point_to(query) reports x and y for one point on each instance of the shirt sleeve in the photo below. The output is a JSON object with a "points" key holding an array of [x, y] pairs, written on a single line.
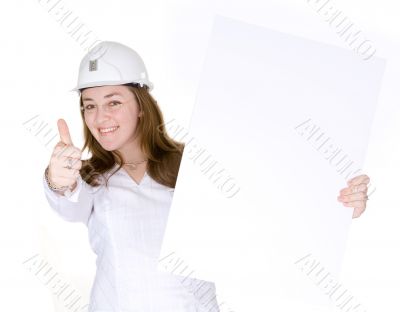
{"points": [[75, 206]]}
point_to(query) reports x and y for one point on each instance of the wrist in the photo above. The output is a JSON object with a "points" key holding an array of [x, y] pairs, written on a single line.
{"points": [[52, 186]]}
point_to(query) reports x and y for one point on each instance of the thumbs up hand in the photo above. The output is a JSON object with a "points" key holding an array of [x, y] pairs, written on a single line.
{"points": [[65, 161], [64, 132]]}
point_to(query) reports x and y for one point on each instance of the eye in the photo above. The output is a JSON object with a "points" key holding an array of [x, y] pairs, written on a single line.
{"points": [[89, 107], [115, 102]]}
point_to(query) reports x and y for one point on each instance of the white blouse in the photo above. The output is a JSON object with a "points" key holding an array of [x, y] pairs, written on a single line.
{"points": [[126, 224]]}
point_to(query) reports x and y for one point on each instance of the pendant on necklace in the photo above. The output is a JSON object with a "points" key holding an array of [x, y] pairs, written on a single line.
{"points": [[134, 165], [131, 166]]}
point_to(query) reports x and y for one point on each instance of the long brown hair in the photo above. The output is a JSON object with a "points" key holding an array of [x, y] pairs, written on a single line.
{"points": [[164, 154]]}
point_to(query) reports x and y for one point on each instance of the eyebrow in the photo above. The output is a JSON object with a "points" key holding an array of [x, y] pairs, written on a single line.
{"points": [[106, 96]]}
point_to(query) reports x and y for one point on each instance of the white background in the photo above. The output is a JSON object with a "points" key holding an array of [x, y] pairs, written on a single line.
{"points": [[39, 62]]}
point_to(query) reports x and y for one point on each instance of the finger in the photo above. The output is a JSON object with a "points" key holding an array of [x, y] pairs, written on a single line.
{"points": [[64, 158], [71, 163], [363, 188], [63, 130], [68, 174], [356, 204], [65, 163], [74, 164], [359, 179], [353, 197], [66, 151]]}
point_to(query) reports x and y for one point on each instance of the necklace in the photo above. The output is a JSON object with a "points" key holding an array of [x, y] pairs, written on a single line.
{"points": [[133, 165]]}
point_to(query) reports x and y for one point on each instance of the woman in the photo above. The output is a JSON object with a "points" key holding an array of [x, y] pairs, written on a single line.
{"points": [[124, 190]]}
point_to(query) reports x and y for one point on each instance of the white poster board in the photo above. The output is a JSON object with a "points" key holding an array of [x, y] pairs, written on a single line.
{"points": [[279, 125]]}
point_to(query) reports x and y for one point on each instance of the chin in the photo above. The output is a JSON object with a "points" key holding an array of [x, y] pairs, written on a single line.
{"points": [[109, 147]]}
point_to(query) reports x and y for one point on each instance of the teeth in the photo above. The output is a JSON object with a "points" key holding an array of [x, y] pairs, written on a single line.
{"points": [[108, 129]]}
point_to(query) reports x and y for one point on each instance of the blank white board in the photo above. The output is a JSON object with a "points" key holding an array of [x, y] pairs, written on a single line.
{"points": [[279, 125]]}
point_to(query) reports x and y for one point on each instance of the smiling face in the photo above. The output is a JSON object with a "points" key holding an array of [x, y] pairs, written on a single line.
{"points": [[111, 114]]}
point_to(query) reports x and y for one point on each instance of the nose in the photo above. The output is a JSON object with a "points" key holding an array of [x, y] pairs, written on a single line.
{"points": [[102, 115]]}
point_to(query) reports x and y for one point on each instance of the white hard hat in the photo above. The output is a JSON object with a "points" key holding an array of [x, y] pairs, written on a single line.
{"points": [[111, 63]]}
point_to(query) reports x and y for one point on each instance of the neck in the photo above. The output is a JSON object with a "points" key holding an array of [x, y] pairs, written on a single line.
{"points": [[131, 153]]}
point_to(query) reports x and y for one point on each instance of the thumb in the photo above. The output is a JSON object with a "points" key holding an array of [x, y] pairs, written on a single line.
{"points": [[64, 132]]}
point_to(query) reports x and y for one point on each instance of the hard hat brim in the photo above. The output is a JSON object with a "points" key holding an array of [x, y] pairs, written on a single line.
{"points": [[105, 83]]}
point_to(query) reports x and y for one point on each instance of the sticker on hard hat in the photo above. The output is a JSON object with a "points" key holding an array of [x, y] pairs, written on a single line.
{"points": [[93, 65]]}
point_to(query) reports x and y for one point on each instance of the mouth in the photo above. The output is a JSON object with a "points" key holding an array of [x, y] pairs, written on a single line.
{"points": [[107, 131]]}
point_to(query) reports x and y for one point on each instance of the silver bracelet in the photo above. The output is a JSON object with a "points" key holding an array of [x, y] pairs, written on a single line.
{"points": [[52, 186]]}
